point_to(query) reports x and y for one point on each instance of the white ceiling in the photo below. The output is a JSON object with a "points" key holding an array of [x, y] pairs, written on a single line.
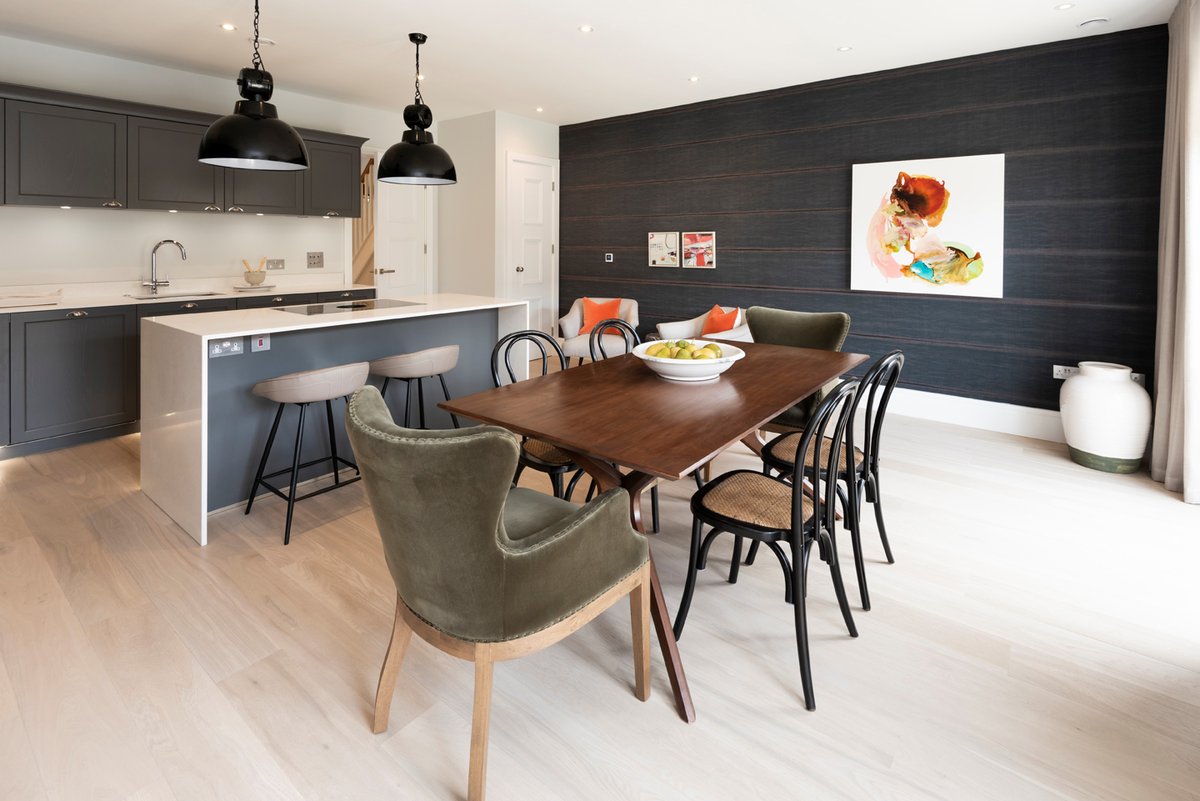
{"points": [[515, 55]]}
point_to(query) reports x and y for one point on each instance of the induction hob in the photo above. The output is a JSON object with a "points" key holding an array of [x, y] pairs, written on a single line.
{"points": [[342, 306]]}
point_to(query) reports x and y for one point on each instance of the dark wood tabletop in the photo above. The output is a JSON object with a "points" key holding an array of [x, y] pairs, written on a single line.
{"points": [[618, 413], [618, 410]]}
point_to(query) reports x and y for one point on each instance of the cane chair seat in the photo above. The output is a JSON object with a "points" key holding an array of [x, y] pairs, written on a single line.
{"points": [[784, 449], [752, 499]]}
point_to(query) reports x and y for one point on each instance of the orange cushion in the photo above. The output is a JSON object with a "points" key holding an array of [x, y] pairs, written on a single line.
{"points": [[719, 321], [594, 312]]}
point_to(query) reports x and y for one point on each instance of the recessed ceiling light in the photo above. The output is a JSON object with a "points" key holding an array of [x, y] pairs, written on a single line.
{"points": [[586, 28], [172, 211], [1093, 21], [1064, 6], [540, 109], [845, 49], [258, 214], [694, 78], [228, 26], [68, 208]]}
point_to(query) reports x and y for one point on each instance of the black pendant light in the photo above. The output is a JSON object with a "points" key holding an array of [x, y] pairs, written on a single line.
{"points": [[253, 137], [415, 159]]}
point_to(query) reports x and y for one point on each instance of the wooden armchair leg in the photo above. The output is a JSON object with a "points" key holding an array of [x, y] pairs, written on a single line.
{"points": [[639, 611], [480, 720], [401, 634]]}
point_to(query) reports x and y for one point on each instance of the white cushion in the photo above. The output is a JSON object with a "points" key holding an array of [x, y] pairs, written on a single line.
{"points": [[418, 364], [312, 386]]}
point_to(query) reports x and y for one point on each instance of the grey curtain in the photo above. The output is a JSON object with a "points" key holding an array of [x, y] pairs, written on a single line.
{"points": [[1175, 449]]}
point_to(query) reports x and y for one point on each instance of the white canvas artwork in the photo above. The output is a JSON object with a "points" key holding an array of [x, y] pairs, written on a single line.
{"points": [[929, 226]]}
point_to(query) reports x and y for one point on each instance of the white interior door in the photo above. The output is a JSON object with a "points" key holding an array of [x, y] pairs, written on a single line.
{"points": [[531, 269], [403, 264]]}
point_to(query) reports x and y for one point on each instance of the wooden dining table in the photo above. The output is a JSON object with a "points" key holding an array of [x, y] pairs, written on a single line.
{"points": [[626, 427]]}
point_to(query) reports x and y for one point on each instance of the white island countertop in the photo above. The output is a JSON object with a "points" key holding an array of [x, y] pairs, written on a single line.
{"points": [[251, 322]]}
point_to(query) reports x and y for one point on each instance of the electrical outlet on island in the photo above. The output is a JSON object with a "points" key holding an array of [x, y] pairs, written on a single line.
{"points": [[316, 260]]}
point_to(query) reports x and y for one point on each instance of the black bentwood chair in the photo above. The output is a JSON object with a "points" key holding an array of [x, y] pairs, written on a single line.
{"points": [[780, 455], [537, 454], [762, 508], [602, 332]]}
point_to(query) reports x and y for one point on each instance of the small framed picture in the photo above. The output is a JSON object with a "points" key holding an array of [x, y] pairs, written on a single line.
{"points": [[664, 248], [700, 250]]}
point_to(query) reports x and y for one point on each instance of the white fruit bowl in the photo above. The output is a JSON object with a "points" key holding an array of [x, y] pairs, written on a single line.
{"points": [[690, 369]]}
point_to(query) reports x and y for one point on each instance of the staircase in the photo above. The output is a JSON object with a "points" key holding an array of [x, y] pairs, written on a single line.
{"points": [[364, 227]]}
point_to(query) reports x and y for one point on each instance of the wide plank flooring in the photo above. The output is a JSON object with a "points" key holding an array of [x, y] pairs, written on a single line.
{"points": [[1037, 638]]}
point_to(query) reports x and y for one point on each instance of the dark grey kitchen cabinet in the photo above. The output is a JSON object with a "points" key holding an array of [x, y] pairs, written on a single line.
{"points": [[264, 191], [268, 301], [59, 156], [72, 370], [184, 306], [331, 180], [4, 380], [346, 294], [164, 172]]}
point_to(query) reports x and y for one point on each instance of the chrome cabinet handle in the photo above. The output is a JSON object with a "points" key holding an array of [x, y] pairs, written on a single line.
{"points": [[113, 204], [332, 214], [346, 294], [520, 269], [77, 314], [211, 207], [190, 306], [235, 208], [278, 299]]}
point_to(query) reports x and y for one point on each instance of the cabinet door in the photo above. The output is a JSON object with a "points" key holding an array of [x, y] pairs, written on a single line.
{"points": [[265, 191], [267, 301], [56, 156], [164, 172], [72, 370], [4, 380], [331, 180]]}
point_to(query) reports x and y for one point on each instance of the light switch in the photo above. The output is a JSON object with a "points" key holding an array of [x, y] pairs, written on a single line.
{"points": [[260, 342]]}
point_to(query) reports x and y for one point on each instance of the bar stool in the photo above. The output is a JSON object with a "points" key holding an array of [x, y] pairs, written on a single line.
{"points": [[301, 389], [417, 366]]}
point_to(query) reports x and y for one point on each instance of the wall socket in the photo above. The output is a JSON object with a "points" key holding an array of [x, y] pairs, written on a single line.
{"points": [[225, 347], [1062, 371], [316, 260], [274, 264]]}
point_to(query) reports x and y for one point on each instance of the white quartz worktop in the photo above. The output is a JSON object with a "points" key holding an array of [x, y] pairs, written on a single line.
{"points": [[90, 296], [250, 322]]}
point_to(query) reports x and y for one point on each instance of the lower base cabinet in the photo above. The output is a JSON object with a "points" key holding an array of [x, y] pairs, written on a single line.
{"points": [[72, 370]]}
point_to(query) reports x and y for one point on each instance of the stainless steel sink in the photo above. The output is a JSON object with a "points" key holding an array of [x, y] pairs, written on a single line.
{"points": [[167, 295]]}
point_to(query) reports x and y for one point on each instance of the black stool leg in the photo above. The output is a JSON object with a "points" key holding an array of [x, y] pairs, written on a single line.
{"points": [[383, 389], [407, 403], [333, 455], [446, 392], [262, 463], [287, 528], [421, 401]]}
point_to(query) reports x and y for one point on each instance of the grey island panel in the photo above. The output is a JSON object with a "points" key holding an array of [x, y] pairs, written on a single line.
{"points": [[240, 422]]}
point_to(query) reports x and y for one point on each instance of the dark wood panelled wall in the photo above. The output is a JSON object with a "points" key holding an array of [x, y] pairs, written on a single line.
{"points": [[1081, 127]]}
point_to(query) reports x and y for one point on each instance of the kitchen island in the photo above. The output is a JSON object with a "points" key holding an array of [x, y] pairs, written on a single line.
{"points": [[202, 429]]}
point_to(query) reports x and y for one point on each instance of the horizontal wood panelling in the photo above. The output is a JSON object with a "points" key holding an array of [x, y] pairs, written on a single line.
{"points": [[1080, 123]]}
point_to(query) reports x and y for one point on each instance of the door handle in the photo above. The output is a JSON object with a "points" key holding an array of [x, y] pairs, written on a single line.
{"points": [[520, 269], [77, 314], [382, 271]]}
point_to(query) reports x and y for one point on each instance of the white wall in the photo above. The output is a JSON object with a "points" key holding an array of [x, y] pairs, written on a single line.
{"points": [[51, 246], [471, 216]]}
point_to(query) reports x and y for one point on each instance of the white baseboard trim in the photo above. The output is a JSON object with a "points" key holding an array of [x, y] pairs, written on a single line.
{"points": [[1005, 418]]}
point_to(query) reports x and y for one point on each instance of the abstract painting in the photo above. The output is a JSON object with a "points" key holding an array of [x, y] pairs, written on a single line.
{"points": [[929, 226], [664, 249], [700, 249]]}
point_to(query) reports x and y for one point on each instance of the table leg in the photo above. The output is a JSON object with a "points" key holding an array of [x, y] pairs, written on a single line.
{"points": [[609, 477]]}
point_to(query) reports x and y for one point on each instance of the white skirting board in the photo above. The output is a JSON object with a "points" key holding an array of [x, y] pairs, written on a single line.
{"points": [[1006, 418]]}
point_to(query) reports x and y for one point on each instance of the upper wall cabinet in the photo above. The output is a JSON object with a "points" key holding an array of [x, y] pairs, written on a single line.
{"points": [[331, 180], [55, 156], [264, 191], [164, 172]]}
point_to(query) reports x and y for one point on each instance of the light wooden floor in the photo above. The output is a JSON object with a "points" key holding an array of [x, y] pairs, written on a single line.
{"points": [[1038, 638]]}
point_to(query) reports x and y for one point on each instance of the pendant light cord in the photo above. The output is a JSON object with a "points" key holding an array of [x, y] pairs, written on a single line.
{"points": [[416, 79], [258, 62]]}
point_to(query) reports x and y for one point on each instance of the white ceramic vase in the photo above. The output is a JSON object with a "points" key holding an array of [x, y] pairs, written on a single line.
{"points": [[1105, 417]]}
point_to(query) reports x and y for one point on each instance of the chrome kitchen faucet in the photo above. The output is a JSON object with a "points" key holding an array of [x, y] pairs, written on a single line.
{"points": [[154, 283]]}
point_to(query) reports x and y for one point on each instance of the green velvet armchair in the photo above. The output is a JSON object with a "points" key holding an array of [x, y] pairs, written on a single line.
{"points": [[484, 571], [820, 330]]}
